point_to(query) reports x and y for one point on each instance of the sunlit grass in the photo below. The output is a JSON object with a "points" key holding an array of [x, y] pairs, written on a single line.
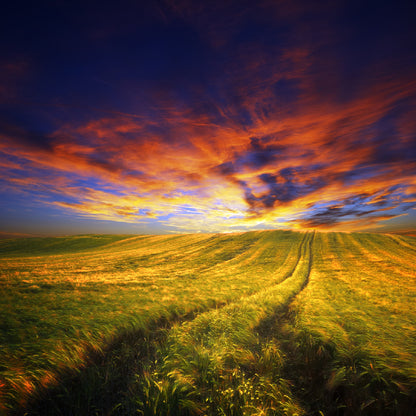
{"points": [[259, 323], [360, 303], [52, 305], [218, 358]]}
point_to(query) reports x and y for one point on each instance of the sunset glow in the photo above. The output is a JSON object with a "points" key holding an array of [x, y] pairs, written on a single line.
{"points": [[233, 116]]}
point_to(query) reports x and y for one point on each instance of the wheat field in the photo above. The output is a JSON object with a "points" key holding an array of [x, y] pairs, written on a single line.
{"points": [[257, 323]]}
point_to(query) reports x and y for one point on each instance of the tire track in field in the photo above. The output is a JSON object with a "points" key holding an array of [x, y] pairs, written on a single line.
{"points": [[304, 266], [288, 267], [272, 330], [310, 261], [304, 262], [200, 352], [287, 264], [292, 282], [266, 301], [99, 377], [310, 361], [107, 373], [109, 383]]}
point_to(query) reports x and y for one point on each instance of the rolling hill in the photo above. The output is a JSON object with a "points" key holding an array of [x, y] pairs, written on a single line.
{"points": [[257, 323]]}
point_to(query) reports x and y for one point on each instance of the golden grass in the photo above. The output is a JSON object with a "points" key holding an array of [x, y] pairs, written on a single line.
{"points": [[357, 299], [243, 306]]}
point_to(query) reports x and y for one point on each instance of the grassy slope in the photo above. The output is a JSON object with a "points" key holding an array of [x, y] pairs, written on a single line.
{"points": [[356, 318], [55, 245], [312, 323], [51, 305], [362, 293]]}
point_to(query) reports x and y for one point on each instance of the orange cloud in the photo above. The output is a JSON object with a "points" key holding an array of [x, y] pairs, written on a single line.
{"points": [[266, 145]]}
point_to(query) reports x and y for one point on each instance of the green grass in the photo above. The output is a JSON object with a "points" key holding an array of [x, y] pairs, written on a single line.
{"points": [[55, 245], [259, 323]]}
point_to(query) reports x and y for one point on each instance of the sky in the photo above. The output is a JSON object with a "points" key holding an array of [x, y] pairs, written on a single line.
{"points": [[179, 116]]}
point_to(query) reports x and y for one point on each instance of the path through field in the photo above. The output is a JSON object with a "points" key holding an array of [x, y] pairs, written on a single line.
{"points": [[261, 323]]}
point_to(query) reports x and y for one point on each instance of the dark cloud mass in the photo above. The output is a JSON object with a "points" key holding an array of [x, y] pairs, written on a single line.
{"points": [[174, 115], [260, 153], [283, 188], [15, 134]]}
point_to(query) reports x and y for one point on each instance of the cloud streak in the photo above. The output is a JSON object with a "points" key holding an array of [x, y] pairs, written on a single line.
{"points": [[272, 138]]}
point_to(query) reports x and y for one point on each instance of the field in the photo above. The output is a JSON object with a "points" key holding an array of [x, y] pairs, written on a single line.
{"points": [[257, 323]]}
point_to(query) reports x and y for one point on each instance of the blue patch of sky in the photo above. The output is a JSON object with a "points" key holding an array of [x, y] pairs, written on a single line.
{"points": [[33, 217], [187, 209], [143, 211], [165, 217], [97, 185]]}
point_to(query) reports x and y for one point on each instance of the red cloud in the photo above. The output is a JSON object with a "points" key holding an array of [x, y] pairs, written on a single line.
{"points": [[269, 142]]}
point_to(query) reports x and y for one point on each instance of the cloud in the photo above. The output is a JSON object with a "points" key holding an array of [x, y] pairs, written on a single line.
{"points": [[29, 139], [275, 136], [266, 172]]}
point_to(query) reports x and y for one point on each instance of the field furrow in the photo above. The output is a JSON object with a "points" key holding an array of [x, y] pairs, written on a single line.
{"points": [[406, 242], [257, 323], [130, 283], [357, 326], [381, 249], [371, 261], [219, 352]]}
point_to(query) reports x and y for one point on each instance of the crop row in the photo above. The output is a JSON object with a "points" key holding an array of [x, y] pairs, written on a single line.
{"points": [[218, 363], [54, 307], [265, 323]]}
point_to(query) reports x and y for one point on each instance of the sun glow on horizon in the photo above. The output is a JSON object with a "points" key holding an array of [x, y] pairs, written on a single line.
{"points": [[242, 135]]}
